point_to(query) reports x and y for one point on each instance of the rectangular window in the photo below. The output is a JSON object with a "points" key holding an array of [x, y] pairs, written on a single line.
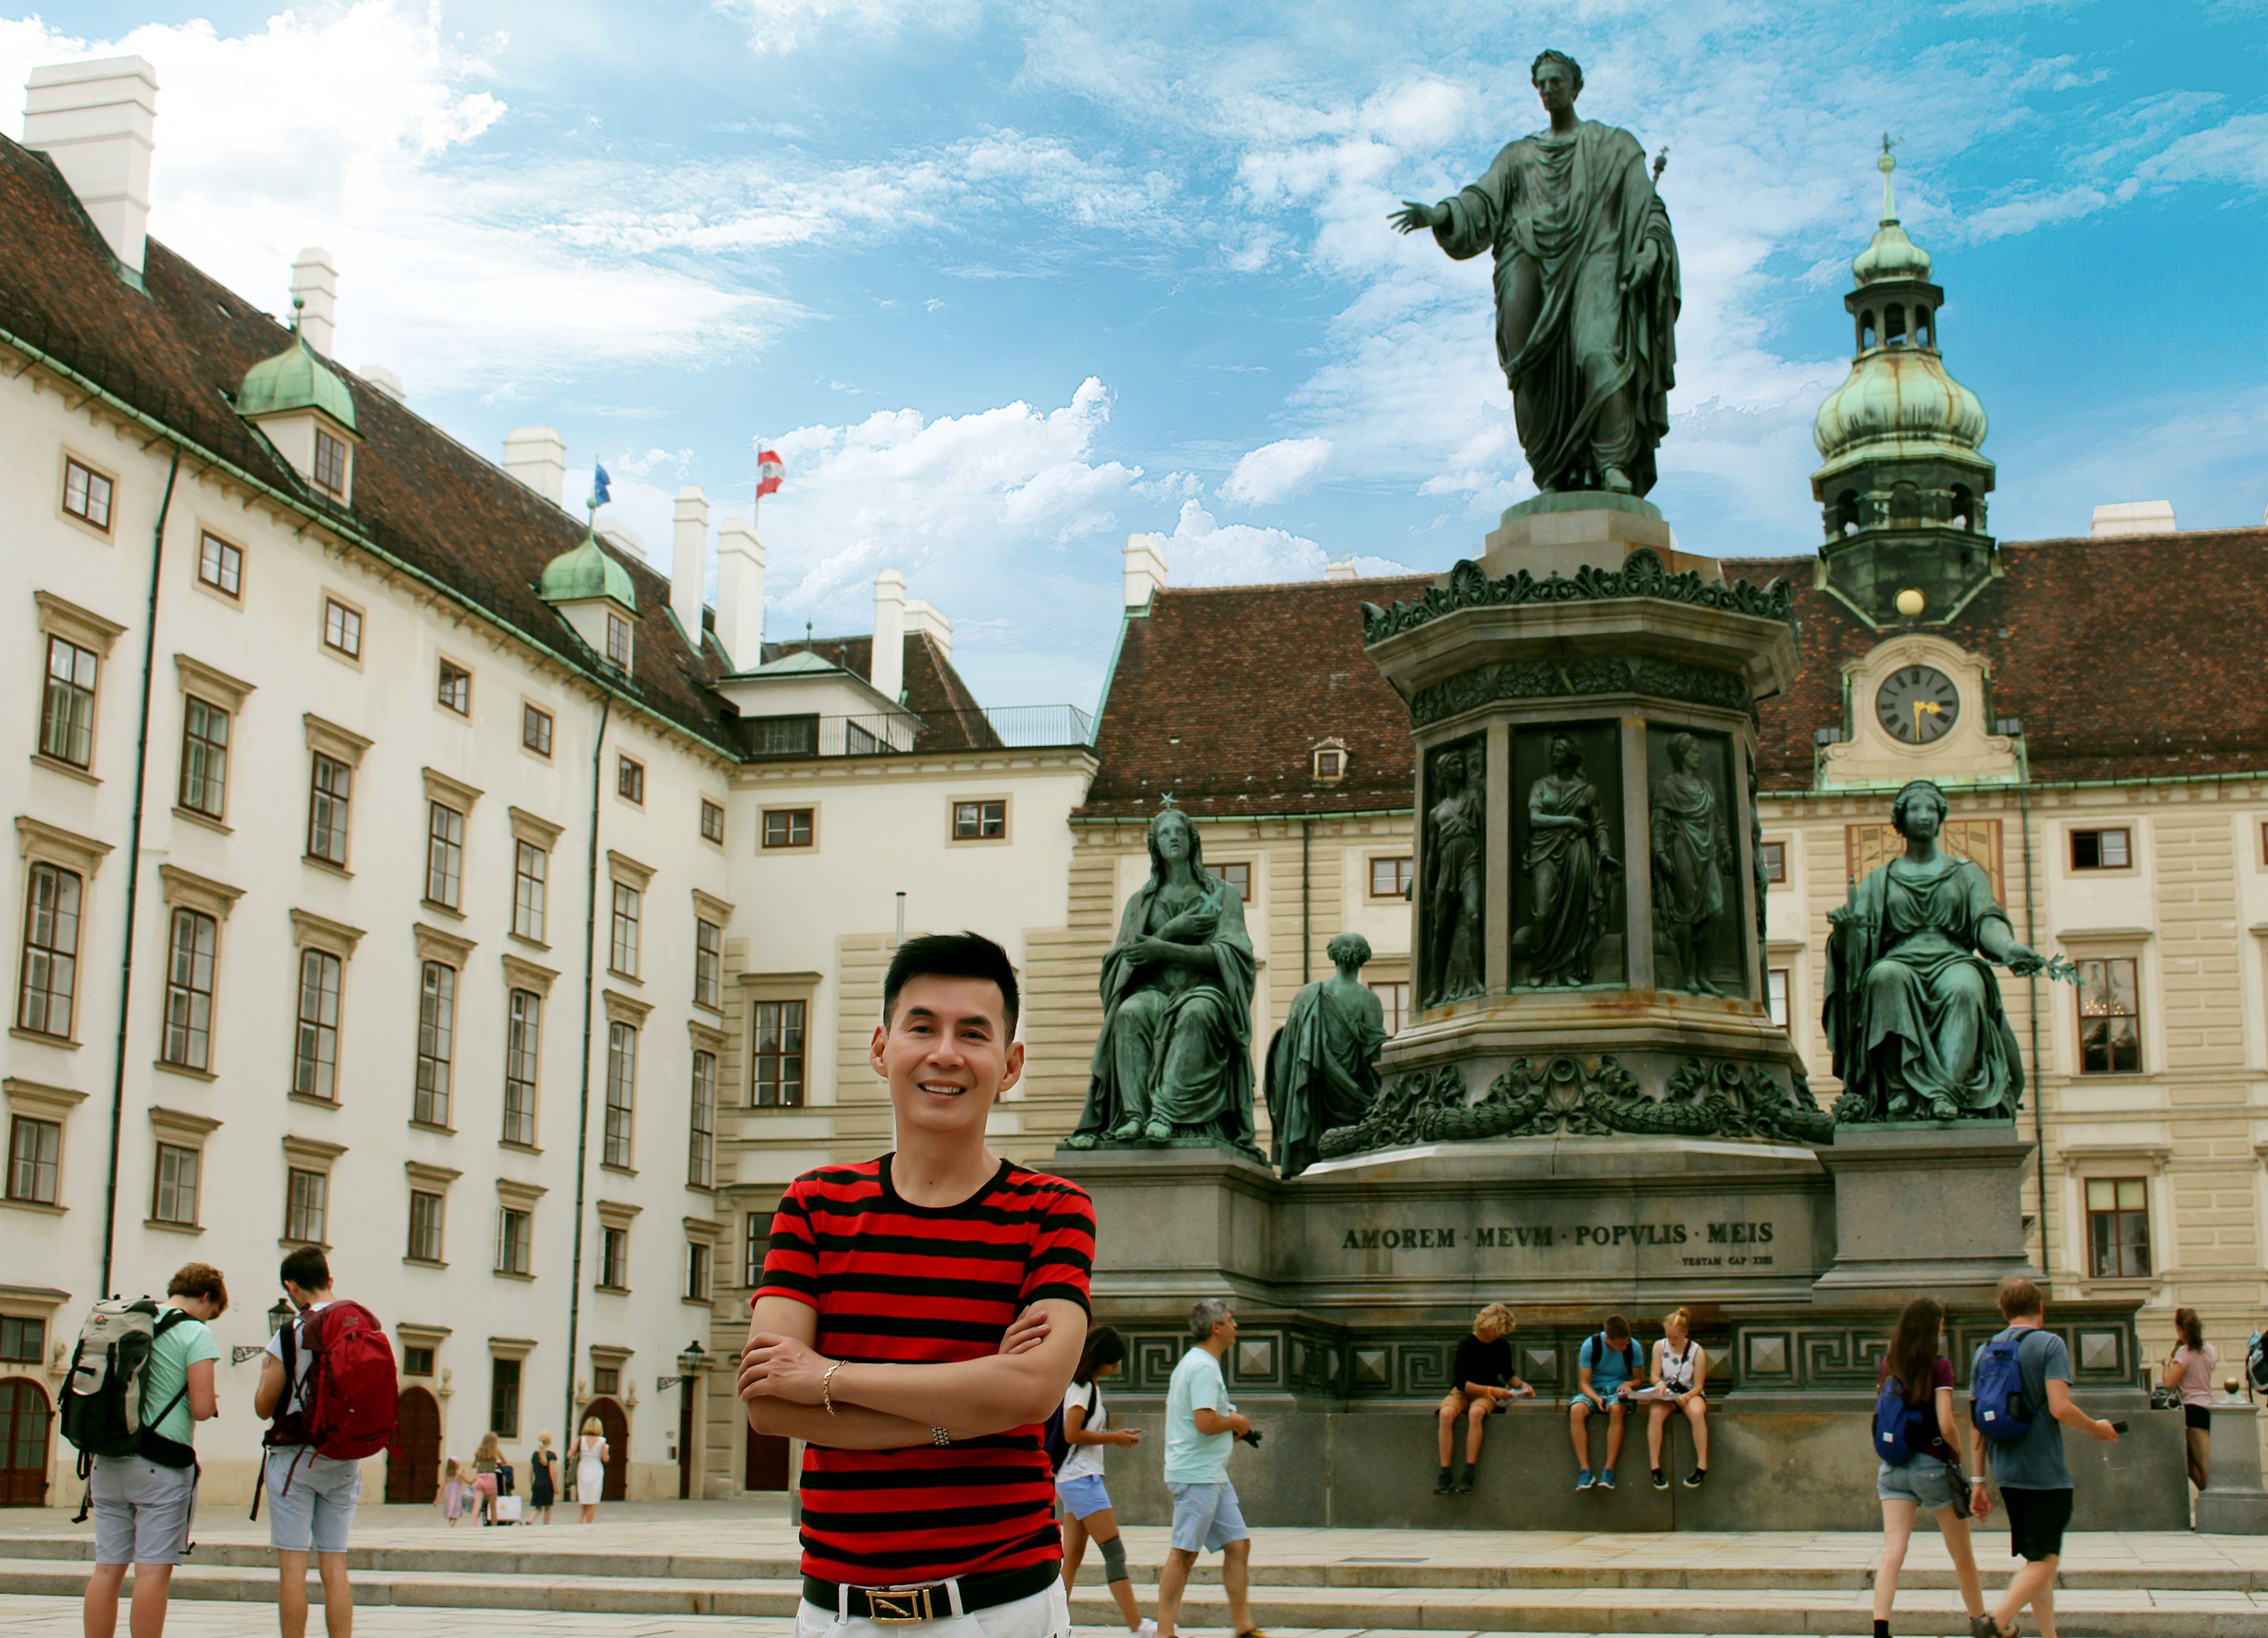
{"points": [[204, 759], [176, 1197], [50, 967], [979, 822], [1389, 878], [504, 1398], [2118, 1227], [2110, 1017], [456, 690], [1394, 998], [23, 1341], [618, 641], [315, 1062], [416, 1362], [35, 1147], [220, 565], [701, 1151], [614, 1260], [755, 1241], [437, 1031], [782, 736], [857, 742], [515, 1233], [445, 855], [67, 709], [1238, 875], [330, 462], [188, 989], [342, 628], [606, 1378], [1773, 857], [629, 779], [86, 494], [788, 827], [523, 1036], [2101, 850], [708, 963], [328, 805], [621, 1094], [779, 1054], [536, 730], [531, 870], [623, 947], [306, 1209], [1776, 994], [696, 1272], [425, 1227], [712, 822]]}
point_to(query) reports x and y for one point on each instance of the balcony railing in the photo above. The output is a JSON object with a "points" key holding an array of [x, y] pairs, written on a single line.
{"points": [[882, 733]]}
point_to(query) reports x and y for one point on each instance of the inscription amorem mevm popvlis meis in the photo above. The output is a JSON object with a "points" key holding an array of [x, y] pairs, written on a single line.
{"points": [[1706, 1239]]}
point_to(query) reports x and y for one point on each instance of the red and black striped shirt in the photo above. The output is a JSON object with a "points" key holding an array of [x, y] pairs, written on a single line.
{"points": [[894, 1281]]}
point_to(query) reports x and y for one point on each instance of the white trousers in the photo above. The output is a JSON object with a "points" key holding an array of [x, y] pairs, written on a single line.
{"points": [[1044, 1614]]}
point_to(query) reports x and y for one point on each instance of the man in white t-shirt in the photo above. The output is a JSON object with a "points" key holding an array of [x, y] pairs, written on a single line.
{"points": [[310, 1498], [1201, 1426]]}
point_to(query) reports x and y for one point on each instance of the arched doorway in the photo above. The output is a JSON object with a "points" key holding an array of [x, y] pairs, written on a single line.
{"points": [[616, 1428], [412, 1461], [23, 1418]]}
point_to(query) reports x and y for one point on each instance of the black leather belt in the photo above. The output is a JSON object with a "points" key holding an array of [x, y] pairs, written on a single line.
{"points": [[929, 1601]]}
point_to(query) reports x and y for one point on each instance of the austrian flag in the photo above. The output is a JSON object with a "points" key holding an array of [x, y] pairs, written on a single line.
{"points": [[769, 469]]}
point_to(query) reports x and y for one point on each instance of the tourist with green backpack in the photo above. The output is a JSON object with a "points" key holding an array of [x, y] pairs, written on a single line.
{"points": [[2018, 1390], [141, 1380]]}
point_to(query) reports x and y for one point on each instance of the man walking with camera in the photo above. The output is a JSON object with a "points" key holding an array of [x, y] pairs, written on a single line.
{"points": [[1201, 1425]]}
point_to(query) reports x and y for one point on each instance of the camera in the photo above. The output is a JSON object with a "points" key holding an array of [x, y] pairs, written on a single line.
{"points": [[1252, 1438]]}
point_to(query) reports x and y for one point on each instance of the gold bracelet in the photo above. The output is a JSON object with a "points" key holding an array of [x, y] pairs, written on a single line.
{"points": [[827, 1387]]}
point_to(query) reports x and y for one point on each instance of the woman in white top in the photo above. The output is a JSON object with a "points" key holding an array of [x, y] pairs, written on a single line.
{"points": [[2189, 1368], [1680, 1372], [1078, 1481], [590, 1468]]}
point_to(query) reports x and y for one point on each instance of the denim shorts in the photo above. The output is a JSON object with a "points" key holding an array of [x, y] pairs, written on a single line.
{"points": [[312, 1503], [1082, 1494], [1206, 1517], [1925, 1481]]}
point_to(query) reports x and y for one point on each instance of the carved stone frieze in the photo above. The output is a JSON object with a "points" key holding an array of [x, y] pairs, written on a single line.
{"points": [[1641, 575]]}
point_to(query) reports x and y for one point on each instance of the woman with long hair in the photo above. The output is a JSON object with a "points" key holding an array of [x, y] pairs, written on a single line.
{"points": [[1086, 1501], [1931, 1475], [486, 1460], [1681, 1378], [542, 1479], [590, 1468], [2189, 1370]]}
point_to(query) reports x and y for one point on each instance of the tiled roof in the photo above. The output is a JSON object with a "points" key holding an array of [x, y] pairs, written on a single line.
{"points": [[2126, 657], [176, 353], [951, 717], [1222, 693]]}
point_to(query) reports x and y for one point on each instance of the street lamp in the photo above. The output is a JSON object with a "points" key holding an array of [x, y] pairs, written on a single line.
{"points": [[688, 1368], [280, 1316]]}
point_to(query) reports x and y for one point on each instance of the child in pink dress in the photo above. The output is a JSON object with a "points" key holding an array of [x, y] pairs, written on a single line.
{"points": [[451, 1497]]}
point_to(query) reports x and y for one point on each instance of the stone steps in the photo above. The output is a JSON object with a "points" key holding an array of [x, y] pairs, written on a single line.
{"points": [[1768, 1604]]}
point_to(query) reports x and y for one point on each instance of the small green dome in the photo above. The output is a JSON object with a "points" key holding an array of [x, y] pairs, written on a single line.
{"points": [[294, 379], [1890, 255], [1904, 397], [587, 572]]}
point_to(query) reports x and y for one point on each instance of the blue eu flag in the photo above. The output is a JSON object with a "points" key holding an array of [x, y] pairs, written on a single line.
{"points": [[600, 492]]}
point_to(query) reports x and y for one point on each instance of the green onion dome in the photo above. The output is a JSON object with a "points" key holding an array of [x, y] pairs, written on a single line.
{"points": [[1901, 396], [294, 379], [584, 572]]}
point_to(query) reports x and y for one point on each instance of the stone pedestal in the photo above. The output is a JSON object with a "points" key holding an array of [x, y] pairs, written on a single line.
{"points": [[1563, 535], [1921, 1207], [2234, 1503]]}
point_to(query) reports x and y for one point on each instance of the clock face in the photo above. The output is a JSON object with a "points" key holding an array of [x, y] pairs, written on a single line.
{"points": [[1918, 705]]}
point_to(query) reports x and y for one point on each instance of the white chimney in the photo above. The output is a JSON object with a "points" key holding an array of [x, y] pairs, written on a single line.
{"points": [[537, 456], [2135, 517], [1340, 568], [1145, 569], [740, 594], [887, 671], [315, 283], [624, 540], [387, 381], [922, 615], [689, 560], [96, 120]]}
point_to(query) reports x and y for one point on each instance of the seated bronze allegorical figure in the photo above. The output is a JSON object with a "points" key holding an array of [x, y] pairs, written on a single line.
{"points": [[1913, 1011], [1322, 1065], [1174, 1063]]}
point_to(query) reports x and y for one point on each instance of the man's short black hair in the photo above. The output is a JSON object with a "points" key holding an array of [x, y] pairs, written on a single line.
{"points": [[951, 955], [306, 1267]]}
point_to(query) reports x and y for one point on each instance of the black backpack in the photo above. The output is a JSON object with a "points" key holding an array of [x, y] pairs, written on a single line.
{"points": [[101, 1407], [1629, 1352]]}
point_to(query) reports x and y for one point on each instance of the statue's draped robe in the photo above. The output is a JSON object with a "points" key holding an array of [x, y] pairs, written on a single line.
{"points": [[1455, 869], [1689, 834], [1323, 1068], [1176, 1043], [1576, 209], [1913, 1016], [1571, 910]]}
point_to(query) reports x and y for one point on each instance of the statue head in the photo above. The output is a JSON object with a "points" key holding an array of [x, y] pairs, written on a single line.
{"points": [[1174, 836], [1558, 79], [1449, 769], [1348, 949], [1920, 809], [1564, 757], [1684, 752]]}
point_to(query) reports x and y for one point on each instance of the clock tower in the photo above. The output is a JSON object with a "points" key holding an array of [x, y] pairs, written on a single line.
{"points": [[1902, 484]]}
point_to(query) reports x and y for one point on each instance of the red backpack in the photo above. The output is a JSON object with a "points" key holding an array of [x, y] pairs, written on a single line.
{"points": [[348, 1410]]}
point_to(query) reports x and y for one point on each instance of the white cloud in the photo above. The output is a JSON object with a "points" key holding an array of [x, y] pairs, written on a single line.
{"points": [[788, 25], [1202, 550], [1278, 471]]}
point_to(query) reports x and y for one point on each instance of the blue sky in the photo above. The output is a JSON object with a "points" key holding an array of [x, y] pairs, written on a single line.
{"points": [[1004, 282]]}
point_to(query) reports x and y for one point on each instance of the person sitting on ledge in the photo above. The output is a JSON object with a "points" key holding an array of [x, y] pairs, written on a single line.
{"points": [[1605, 1367], [1680, 1372], [1482, 1382]]}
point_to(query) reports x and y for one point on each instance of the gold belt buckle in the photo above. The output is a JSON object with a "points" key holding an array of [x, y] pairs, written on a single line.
{"points": [[892, 1604]]}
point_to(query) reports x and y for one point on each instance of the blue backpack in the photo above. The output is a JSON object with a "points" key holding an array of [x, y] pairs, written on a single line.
{"points": [[1900, 1430], [1997, 1394]]}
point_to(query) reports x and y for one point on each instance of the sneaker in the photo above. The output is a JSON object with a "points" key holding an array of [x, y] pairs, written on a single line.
{"points": [[1693, 1480], [1465, 1485], [1607, 1479], [1147, 1629], [1583, 1480], [1661, 1480], [1443, 1485]]}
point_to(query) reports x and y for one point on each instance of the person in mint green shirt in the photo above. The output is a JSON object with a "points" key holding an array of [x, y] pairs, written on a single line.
{"points": [[1201, 1428], [142, 1506]]}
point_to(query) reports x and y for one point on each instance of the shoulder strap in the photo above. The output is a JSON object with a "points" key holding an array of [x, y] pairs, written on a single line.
{"points": [[167, 1321]]}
